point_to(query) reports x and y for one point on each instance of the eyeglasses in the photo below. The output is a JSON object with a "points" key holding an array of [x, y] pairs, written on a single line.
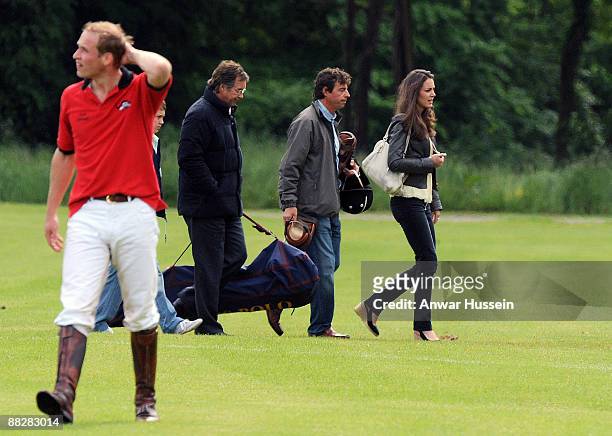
{"points": [[237, 91]]}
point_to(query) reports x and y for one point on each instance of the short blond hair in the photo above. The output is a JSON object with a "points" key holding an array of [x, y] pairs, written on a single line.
{"points": [[112, 38]]}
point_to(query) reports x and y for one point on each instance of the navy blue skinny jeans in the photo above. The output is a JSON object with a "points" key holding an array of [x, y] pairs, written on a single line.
{"points": [[414, 215]]}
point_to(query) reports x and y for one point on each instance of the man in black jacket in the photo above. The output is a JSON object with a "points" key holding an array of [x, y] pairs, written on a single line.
{"points": [[210, 164]]}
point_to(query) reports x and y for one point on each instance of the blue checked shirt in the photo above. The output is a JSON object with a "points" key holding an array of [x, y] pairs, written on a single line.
{"points": [[331, 117]]}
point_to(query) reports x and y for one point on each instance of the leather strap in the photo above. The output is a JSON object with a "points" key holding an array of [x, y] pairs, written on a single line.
{"points": [[115, 198]]}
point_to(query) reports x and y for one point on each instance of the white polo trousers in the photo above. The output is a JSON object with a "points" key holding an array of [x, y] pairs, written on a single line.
{"points": [[125, 234]]}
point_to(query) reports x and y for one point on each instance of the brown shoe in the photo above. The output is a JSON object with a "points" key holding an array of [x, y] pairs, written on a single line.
{"points": [[72, 344], [331, 333], [274, 320], [144, 353]]}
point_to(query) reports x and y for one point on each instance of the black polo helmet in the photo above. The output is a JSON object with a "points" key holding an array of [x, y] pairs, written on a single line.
{"points": [[356, 195]]}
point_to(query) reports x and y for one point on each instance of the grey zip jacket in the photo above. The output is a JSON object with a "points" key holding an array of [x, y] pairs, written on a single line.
{"points": [[308, 176]]}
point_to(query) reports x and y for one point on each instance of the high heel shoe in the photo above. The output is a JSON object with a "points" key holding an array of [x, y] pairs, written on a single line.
{"points": [[367, 317], [419, 335]]}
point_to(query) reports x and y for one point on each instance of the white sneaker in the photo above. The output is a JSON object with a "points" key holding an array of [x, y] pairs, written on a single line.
{"points": [[186, 326]]}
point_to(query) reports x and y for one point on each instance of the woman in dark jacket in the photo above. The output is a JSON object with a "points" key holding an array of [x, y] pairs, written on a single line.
{"points": [[417, 207]]}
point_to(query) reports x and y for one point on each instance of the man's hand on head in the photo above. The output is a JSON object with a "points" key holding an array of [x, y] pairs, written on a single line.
{"points": [[157, 67], [128, 57]]}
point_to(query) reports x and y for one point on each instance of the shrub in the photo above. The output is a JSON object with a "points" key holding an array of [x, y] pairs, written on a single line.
{"points": [[581, 188]]}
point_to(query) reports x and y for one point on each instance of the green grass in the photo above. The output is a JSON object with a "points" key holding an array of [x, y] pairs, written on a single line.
{"points": [[523, 377]]}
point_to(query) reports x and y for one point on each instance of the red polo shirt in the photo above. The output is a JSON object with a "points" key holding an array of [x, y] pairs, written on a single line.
{"points": [[111, 139]]}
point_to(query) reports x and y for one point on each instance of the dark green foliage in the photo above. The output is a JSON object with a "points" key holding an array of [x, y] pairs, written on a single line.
{"points": [[36, 39], [272, 104], [496, 64], [497, 76]]}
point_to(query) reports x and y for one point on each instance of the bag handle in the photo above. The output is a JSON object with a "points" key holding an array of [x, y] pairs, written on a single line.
{"points": [[386, 137], [433, 146], [387, 133], [406, 150], [181, 255], [259, 227], [407, 142], [256, 226]]}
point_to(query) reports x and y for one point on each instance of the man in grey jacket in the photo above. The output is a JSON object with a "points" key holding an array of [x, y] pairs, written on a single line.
{"points": [[309, 187]]}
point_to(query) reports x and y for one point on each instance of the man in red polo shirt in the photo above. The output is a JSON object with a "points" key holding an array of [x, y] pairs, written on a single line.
{"points": [[105, 131]]}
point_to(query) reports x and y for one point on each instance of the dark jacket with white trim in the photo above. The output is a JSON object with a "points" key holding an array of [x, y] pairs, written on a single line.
{"points": [[416, 163]]}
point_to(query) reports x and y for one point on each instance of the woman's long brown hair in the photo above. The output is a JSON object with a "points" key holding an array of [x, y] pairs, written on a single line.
{"points": [[421, 124]]}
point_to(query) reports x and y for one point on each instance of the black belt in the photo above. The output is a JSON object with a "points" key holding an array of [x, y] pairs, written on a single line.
{"points": [[115, 198]]}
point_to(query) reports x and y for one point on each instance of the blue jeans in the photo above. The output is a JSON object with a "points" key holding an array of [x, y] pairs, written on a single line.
{"points": [[111, 300], [324, 250]]}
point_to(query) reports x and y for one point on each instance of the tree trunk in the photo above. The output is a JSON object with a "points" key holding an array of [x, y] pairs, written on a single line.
{"points": [[570, 57], [375, 8], [349, 55], [403, 43]]}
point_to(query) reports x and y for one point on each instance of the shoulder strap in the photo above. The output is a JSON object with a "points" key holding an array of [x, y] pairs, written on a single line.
{"points": [[407, 142], [387, 133], [432, 146], [386, 137], [391, 124]]}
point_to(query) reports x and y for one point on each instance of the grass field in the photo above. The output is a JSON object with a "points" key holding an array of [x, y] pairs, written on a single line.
{"points": [[524, 377]]}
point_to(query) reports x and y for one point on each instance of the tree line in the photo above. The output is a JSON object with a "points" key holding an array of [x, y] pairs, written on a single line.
{"points": [[519, 82]]}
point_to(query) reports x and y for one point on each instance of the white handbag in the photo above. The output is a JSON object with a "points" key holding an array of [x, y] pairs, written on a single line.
{"points": [[376, 166]]}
